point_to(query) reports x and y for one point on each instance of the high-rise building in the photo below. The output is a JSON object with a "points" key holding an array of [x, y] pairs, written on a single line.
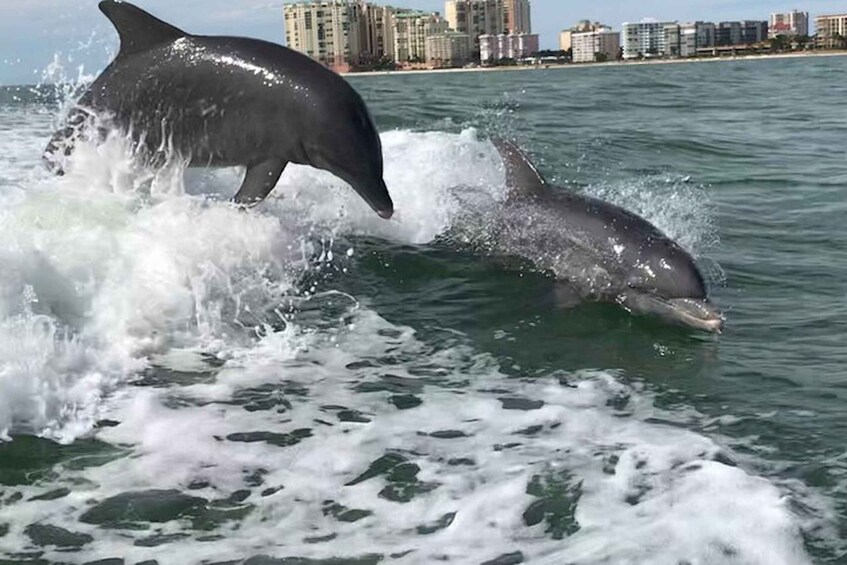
{"points": [[600, 45], [517, 16], [327, 31], [376, 33], [475, 18], [831, 31], [647, 38], [790, 24], [410, 28], [513, 46], [447, 49]]}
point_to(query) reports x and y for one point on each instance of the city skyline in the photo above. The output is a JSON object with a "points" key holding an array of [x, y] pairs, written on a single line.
{"points": [[32, 33]]}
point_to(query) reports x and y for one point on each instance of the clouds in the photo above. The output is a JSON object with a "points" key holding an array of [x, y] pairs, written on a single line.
{"points": [[35, 30]]}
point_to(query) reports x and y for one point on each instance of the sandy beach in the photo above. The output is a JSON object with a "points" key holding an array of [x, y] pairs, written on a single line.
{"points": [[810, 54]]}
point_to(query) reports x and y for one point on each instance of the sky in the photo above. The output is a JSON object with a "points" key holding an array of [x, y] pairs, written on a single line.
{"points": [[73, 33]]}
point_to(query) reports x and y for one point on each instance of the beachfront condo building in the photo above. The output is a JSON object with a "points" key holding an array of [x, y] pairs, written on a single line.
{"points": [[789, 24], [832, 31], [647, 38], [376, 33], [517, 17], [670, 39], [410, 30], [582, 27], [740, 33], [448, 49], [326, 31], [596, 46], [514, 46], [488, 17]]}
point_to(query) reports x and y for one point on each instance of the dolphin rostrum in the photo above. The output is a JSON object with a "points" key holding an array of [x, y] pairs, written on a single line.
{"points": [[226, 101], [601, 250]]}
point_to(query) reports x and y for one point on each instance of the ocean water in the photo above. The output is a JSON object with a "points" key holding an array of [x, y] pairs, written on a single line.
{"points": [[184, 382]]}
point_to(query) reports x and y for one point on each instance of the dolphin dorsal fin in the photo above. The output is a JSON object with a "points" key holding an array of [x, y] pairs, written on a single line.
{"points": [[139, 31], [521, 175]]}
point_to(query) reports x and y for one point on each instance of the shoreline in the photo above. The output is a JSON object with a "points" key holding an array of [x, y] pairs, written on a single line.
{"points": [[647, 62]]}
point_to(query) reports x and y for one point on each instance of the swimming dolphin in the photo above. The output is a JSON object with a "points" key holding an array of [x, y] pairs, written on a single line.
{"points": [[601, 250], [226, 101]]}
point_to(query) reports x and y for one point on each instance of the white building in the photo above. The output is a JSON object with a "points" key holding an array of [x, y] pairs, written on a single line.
{"points": [[831, 30], [513, 46], [646, 39], [601, 45], [790, 24], [326, 31], [448, 49]]}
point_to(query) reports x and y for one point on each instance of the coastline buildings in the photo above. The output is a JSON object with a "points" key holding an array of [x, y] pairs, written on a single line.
{"points": [[376, 33], [322, 30], [790, 24], [645, 39], [448, 49], [349, 34], [670, 39], [565, 41], [517, 17], [410, 30], [596, 46], [514, 46], [831, 31]]}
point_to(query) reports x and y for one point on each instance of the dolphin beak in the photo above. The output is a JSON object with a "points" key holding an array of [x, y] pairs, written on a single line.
{"points": [[697, 313], [377, 197]]}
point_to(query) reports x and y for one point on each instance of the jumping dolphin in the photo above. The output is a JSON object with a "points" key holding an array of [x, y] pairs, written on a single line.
{"points": [[226, 101], [603, 251]]}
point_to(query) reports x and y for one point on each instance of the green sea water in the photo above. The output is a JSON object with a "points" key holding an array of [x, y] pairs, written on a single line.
{"points": [[416, 401]]}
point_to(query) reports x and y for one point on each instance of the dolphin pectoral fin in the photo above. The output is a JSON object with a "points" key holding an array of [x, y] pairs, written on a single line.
{"points": [[259, 180]]}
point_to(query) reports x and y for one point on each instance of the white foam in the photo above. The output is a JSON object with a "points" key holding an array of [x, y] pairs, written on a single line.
{"points": [[110, 270], [664, 501]]}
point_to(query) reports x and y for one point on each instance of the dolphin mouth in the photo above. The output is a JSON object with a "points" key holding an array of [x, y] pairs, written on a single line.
{"points": [[697, 313]]}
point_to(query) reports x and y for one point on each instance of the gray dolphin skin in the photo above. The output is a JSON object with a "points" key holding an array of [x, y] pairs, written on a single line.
{"points": [[226, 101], [603, 251]]}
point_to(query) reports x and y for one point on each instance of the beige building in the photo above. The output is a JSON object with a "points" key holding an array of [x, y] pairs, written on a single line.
{"points": [[789, 24], [566, 36], [322, 30], [448, 49], [831, 31], [565, 40], [517, 18], [591, 46], [410, 28], [475, 18], [376, 33]]}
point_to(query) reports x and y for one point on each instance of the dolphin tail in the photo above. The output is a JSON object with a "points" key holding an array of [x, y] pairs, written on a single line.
{"points": [[521, 175], [139, 31]]}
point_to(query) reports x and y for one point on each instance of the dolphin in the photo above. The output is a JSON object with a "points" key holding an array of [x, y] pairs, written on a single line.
{"points": [[227, 101], [602, 251]]}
